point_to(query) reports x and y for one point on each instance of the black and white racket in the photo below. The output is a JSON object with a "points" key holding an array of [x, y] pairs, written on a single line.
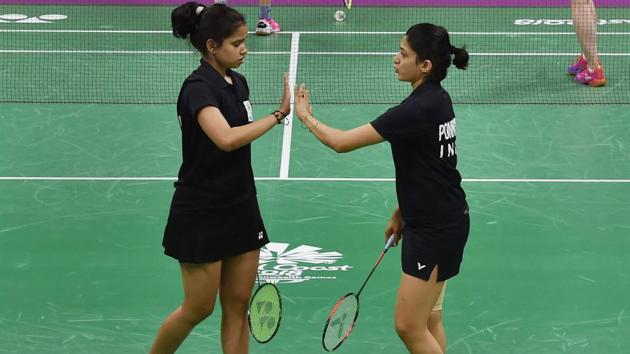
{"points": [[345, 313]]}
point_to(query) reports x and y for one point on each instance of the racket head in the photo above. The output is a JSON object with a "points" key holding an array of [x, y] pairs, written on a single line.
{"points": [[265, 313], [340, 322], [347, 4]]}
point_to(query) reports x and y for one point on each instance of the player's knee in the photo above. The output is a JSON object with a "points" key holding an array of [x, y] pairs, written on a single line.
{"points": [[435, 319], [401, 329], [407, 327], [236, 304], [242, 300], [195, 313]]}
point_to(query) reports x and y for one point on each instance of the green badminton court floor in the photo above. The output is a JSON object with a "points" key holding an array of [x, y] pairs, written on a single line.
{"points": [[85, 190]]}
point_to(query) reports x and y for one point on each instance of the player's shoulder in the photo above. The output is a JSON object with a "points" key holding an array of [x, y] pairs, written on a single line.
{"points": [[195, 79], [196, 88], [430, 96], [239, 76], [413, 103], [198, 81]]}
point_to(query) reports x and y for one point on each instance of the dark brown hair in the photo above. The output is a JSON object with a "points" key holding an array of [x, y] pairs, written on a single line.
{"points": [[431, 42], [216, 22]]}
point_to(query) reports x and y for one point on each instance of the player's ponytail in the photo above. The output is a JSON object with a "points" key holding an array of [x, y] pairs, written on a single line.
{"points": [[184, 19], [199, 23], [460, 57]]}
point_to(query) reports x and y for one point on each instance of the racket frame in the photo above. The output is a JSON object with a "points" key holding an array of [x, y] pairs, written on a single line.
{"points": [[390, 242], [249, 310], [330, 316]]}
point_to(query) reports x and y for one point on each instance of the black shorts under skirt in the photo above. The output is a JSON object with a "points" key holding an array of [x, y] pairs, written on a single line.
{"points": [[211, 236], [443, 246]]}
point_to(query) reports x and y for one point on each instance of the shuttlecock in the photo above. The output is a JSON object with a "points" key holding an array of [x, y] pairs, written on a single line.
{"points": [[340, 15]]}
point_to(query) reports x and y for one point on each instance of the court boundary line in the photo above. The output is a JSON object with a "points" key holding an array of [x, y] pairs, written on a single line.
{"points": [[464, 33], [312, 179], [287, 133], [177, 52]]}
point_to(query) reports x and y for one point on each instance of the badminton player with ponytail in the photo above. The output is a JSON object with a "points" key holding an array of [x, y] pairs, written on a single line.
{"points": [[214, 228], [432, 217]]}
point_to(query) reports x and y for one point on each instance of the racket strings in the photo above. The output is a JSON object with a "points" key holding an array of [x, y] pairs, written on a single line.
{"points": [[341, 322], [265, 313]]}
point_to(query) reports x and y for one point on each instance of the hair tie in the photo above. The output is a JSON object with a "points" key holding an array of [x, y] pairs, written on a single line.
{"points": [[199, 10], [453, 49]]}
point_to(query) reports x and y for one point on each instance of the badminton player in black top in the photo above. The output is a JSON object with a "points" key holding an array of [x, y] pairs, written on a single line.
{"points": [[432, 217], [214, 228]]}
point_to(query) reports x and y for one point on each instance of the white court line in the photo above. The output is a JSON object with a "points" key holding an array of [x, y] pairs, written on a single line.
{"points": [[83, 31], [317, 32], [545, 54], [44, 51], [320, 179], [288, 128], [534, 33], [471, 53], [178, 52]]}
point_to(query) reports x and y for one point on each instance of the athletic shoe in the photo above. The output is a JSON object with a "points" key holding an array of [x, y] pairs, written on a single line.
{"points": [[266, 27], [594, 78], [579, 65]]}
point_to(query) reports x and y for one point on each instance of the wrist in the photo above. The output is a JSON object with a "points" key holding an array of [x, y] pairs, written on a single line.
{"points": [[279, 115], [312, 122]]}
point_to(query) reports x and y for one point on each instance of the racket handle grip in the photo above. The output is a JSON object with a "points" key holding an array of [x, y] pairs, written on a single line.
{"points": [[389, 243]]}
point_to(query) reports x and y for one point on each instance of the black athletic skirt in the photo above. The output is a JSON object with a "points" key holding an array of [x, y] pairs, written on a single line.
{"points": [[424, 248], [214, 235]]}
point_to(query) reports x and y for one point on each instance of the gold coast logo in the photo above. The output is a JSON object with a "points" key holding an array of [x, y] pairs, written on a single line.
{"points": [[280, 264]]}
